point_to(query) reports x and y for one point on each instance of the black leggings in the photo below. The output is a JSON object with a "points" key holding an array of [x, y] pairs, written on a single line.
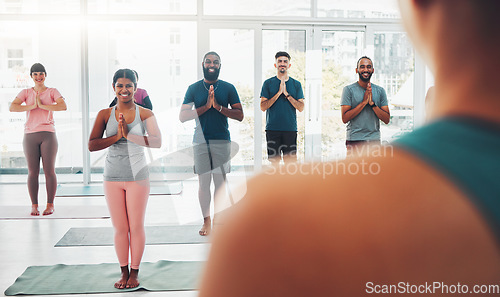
{"points": [[41, 145]]}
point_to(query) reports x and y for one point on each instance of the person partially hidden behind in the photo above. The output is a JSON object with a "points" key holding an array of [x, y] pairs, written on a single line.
{"points": [[141, 97], [429, 217]]}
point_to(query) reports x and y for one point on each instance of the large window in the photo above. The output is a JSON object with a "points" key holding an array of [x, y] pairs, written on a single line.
{"points": [[340, 51], [15, 58], [83, 42], [170, 7], [358, 9], [235, 46], [166, 65], [258, 7], [394, 71], [40, 6], [56, 46]]}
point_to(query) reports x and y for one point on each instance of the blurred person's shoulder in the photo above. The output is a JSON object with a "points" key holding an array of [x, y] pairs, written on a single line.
{"points": [[334, 220]]}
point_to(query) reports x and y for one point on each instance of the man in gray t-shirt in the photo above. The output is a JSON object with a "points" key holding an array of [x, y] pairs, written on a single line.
{"points": [[363, 105]]}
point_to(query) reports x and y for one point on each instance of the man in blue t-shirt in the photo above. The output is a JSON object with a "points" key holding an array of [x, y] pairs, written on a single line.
{"points": [[363, 105], [214, 101], [419, 222], [280, 97]]}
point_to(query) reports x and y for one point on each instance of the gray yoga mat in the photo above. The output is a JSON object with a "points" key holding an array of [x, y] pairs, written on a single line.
{"points": [[65, 190], [103, 236], [100, 278]]}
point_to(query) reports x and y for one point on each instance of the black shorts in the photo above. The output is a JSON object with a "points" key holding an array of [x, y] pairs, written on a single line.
{"points": [[353, 143], [281, 142]]}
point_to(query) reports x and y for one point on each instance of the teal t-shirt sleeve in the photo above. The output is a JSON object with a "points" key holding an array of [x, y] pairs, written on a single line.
{"points": [[233, 96], [346, 98], [264, 92], [300, 93], [189, 97]]}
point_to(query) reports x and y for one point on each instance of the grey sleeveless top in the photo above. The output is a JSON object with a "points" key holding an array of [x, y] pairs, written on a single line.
{"points": [[125, 160]]}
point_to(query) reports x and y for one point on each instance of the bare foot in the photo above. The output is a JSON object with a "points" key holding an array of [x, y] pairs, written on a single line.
{"points": [[34, 210], [122, 282], [133, 279], [49, 210], [206, 228]]}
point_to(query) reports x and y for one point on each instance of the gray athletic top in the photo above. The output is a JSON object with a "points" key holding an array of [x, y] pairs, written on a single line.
{"points": [[366, 125], [125, 160]]}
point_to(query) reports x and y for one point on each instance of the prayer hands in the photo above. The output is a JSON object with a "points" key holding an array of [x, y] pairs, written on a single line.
{"points": [[211, 97], [211, 102], [37, 101], [122, 127], [283, 88], [368, 97]]}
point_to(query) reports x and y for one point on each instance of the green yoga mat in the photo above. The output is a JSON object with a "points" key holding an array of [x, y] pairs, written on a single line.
{"points": [[100, 278], [65, 190], [101, 236]]}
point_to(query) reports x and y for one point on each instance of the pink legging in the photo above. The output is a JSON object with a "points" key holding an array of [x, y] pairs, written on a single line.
{"points": [[127, 206], [41, 145]]}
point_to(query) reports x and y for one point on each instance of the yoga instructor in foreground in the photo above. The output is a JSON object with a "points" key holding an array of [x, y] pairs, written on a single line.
{"points": [[432, 213]]}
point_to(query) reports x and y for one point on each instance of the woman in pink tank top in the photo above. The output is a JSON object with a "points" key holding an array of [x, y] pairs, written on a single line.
{"points": [[40, 142]]}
